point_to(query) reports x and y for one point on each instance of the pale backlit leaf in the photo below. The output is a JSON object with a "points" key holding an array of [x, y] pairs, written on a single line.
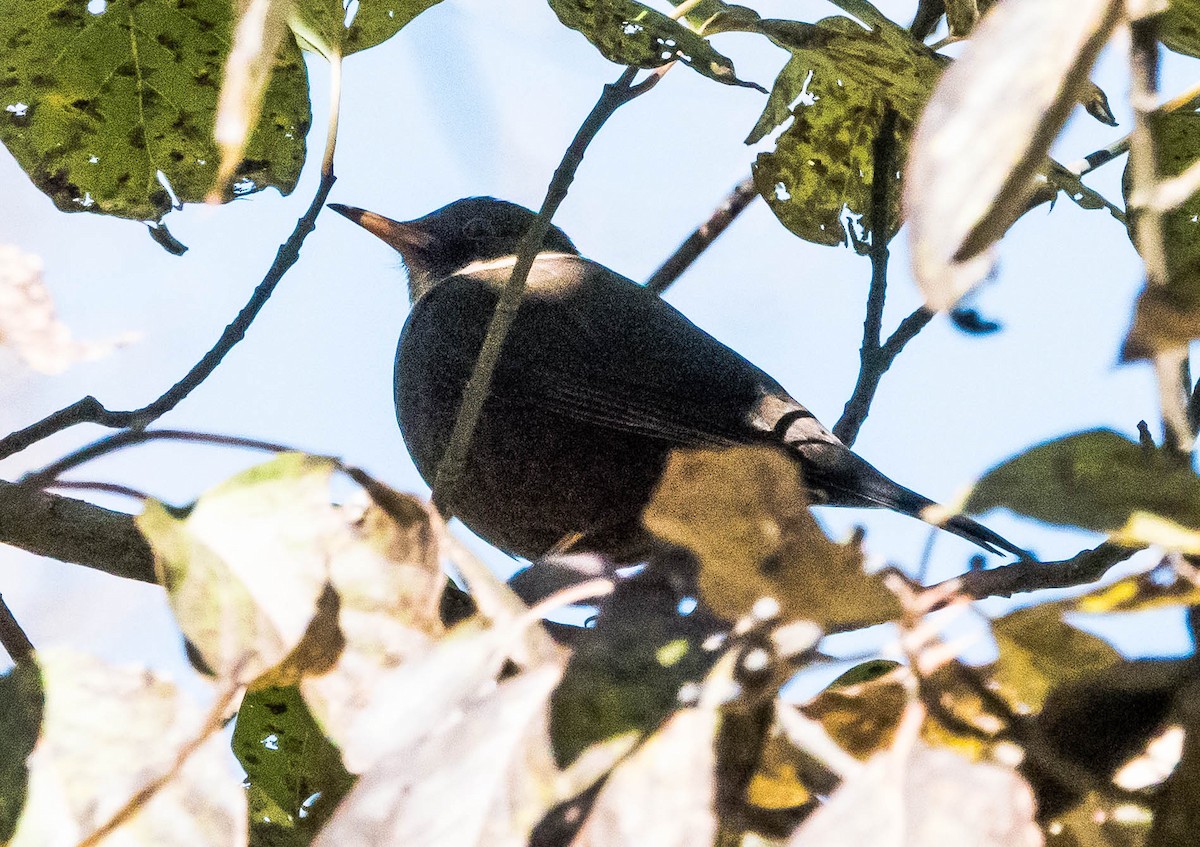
{"points": [[964, 184], [246, 566], [927, 797], [256, 38], [108, 733], [480, 775], [663, 794], [384, 567]]}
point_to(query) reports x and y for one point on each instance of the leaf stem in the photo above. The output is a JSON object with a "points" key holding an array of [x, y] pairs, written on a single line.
{"points": [[1148, 225]]}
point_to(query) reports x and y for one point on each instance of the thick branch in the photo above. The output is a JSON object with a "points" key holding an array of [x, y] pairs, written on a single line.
{"points": [[704, 235], [90, 410], [73, 531], [453, 461]]}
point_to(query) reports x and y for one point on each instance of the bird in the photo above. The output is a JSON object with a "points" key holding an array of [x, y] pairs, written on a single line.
{"points": [[598, 381]]}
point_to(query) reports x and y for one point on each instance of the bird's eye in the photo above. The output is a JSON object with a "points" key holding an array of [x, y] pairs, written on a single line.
{"points": [[478, 229]]}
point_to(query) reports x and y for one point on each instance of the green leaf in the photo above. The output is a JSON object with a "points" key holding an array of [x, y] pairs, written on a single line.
{"points": [[270, 825], [1102, 481], [712, 16], [835, 90], [287, 757], [1169, 316], [97, 104], [1039, 651], [322, 23], [1179, 27], [629, 33], [625, 672], [20, 724]]}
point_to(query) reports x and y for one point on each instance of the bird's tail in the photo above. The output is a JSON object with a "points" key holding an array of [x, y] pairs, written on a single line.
{"points": [[838, 477]]}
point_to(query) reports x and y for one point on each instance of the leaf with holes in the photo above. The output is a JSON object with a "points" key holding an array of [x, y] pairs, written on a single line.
{"points": [[834, 91], [109, 106], [628, 33]]}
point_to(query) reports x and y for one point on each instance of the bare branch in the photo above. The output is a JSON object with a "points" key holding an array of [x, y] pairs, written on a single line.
{"points": [[12, 637], [875, 358], [90, 410], [1028, 575], [49, 474], [703, 237], [73, 531]]}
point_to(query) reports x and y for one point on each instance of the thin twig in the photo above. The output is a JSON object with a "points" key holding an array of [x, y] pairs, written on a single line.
{"points": [[450, 467], [90, 410], [703, 237], [875, 358], [12, 638], [49, 474], [104, 487], [214, 721], [1092, 161]]}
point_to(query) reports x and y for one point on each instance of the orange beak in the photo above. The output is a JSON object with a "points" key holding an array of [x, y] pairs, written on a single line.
{"points": [[401, 236]]}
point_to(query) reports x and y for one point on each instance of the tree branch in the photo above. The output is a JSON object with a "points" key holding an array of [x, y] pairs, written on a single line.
{"points": [[703, 237], [450, 467], [73, 531], [12, 637], [49, 474], [1029, 575], [90, 410], [875, 358]]}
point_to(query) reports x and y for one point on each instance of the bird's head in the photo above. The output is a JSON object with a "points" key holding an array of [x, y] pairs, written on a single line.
{"points": [[475, 229]]}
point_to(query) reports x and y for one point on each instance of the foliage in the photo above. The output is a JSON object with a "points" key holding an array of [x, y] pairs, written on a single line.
{"points": [[377, 703]]}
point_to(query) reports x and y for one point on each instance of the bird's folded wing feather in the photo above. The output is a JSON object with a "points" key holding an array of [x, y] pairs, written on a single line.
{"points": [[594, 346]]}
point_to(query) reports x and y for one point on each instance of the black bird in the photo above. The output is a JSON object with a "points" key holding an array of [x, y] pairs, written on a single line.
{"points": [[598, 381]]}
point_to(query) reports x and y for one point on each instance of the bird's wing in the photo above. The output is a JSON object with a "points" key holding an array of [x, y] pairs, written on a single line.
{"points": [[595, 346]]}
